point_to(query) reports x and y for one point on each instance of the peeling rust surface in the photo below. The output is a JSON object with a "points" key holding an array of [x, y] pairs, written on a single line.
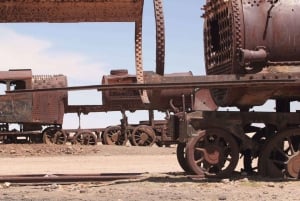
{"points": [[129, 99], [70, 11], [48, 107], [246, 37], [16, 108], [33, 107]]}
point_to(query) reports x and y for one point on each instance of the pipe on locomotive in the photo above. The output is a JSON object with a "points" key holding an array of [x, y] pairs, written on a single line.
{"points": [[248, 57]]}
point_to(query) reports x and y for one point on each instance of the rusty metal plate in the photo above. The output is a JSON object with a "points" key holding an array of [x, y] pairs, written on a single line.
{"points": [[16, 108], [204, 101], [15, 74], [70, 10], [49, 107]]}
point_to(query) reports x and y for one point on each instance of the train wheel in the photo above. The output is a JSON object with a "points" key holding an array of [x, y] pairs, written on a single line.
{"points": [[54, 135], [259, 139], [85, 138], [181, 158], [143, 136], [60, 137], [281, 155], [214, 153], [113, 136]]}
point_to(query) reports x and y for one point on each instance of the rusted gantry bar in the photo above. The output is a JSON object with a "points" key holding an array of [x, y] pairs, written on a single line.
{"points": [[70, 11]]}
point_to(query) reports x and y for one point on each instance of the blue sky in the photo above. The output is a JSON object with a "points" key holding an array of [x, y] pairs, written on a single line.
{"points": [[111, 45], [87, 51]]}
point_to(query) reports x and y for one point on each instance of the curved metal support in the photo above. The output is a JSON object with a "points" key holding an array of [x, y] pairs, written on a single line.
{"points": [[160, 36], [139, 59], [160, 47]]}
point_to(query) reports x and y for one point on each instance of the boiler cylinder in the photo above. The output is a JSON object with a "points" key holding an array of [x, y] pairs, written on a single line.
{"points": [[250, 36]]}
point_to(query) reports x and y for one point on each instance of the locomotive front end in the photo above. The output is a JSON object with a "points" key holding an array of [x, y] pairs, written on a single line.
{"points": [[253, 36]]}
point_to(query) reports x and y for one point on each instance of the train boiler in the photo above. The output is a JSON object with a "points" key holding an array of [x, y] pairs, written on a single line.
{"points": [[247, 37]]}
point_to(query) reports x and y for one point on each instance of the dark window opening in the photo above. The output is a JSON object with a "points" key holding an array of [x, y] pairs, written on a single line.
{"points": [[17, 85], [215, 35]]}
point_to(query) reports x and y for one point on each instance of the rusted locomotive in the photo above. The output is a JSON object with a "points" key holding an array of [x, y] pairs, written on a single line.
{"points": [[251, 43], [37, 116], [251, 55], [30, 111], [246, 37]]}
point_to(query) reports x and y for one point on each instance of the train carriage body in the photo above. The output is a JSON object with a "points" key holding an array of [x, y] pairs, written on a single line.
{"points": [[42, 108]]}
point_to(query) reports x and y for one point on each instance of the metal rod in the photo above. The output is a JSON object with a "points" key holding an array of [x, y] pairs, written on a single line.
{"points": [[193, 83], [67, 177]]}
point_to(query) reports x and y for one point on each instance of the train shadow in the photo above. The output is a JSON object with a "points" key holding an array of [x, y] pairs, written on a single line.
{"points": [[181, 177]]}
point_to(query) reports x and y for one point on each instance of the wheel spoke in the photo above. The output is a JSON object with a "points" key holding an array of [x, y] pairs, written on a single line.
{"points": [[199, 149], [200, 160], [228, 159], [291, 145]]}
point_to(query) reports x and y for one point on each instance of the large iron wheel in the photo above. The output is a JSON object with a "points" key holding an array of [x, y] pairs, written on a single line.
{"points": [[259, 139], [54, 135], [113, 136], [85, 138], [213, 153], [143, 136], [181, 157], [281, 155]]}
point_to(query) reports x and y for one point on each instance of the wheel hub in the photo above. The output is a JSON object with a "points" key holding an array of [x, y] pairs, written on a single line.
{"points": [[115, 137], [144, 137], [293, 165], [212, 155]]}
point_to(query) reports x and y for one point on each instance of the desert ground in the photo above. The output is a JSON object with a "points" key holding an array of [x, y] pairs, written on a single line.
{"points": [[162, 179]]}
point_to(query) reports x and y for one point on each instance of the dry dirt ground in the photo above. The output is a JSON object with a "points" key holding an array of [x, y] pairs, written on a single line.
{"points": [[163, 178]]}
